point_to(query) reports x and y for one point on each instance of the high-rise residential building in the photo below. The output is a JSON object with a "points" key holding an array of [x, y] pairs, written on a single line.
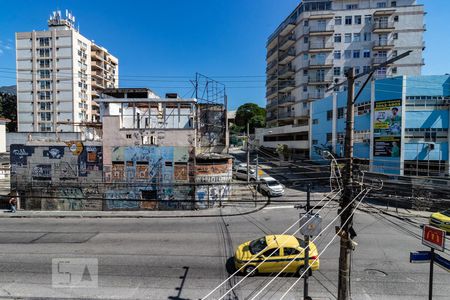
{"points": [[312, 49], [59, 72]]}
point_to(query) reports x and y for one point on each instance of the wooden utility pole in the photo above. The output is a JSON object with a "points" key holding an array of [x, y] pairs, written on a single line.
{"points": [[248, 152], [346, 217]]}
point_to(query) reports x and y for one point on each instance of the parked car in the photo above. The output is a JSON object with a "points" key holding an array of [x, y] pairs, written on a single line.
{"points": [[281, 249], [441, 220], [271, 187], [241, 173]]}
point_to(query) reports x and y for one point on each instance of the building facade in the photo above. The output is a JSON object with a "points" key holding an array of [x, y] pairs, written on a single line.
{"points": [[314, 46], [401, 126], [59, 71]]}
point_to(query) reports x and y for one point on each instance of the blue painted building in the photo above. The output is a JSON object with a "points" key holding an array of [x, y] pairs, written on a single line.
{"points": [[401, 125]]}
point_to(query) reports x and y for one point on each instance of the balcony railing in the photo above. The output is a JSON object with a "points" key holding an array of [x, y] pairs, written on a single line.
{"points": [[285, 54], [314, 95], [320, 62], [320, 28], [379, 60], [320, 79], [271, 80], [290, 39], [286, 99], [271, 65], [383, 43], [383, 25], [285, 114], [286, 69], [320, 45], [271, 91], [271, 117], [271, 104], [286, 84], [271, 52]]}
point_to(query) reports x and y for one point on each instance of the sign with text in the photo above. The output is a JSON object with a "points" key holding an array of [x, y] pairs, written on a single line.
{"points": [[433, 237], [388, 117], [387, 146]]}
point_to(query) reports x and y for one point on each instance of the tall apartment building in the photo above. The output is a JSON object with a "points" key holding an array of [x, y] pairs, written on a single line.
{"points": [[315, 45], [59, 71]]}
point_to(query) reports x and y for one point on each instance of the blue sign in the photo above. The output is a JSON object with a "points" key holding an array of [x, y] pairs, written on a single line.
{"points": [[442, 262], [419, 257]]}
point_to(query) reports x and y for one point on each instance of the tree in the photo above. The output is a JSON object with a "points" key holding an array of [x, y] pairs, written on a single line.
{"points": [[250, 113], [8, 109]]}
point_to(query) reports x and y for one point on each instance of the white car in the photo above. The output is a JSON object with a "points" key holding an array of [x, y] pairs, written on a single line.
{"points": [[241, 173], [271, 187]]}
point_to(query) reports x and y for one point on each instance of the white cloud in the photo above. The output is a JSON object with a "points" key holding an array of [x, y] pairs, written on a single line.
{"points": [[5, 46]]}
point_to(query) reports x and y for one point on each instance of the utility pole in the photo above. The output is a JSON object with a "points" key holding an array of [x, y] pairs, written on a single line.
{"points": [[346, 217], [248, 153], [306, 265]]}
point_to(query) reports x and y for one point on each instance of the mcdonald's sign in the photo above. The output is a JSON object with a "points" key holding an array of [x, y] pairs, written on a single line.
{"points": [[433, 237]]}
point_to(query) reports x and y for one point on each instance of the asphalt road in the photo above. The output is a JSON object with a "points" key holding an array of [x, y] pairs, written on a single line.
{"points": [[185, 258]]}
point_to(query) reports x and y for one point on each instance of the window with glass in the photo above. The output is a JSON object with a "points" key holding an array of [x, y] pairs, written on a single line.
{"points": [[348, 54], [381, 4], [366, 69], [356, 53], [337, 71], [44, 63], [46, 116], [45, 95], [44, 52], [367, 36], [340, 112], [45, 105], [44, 74], [329, 115], [368, 19], [44, 42], [337, 20], [366, 53], [348, 20], [337, 54], [337, 38], [358, 20], [357, 37], [306, 40], [348, 38], [44, 84]]}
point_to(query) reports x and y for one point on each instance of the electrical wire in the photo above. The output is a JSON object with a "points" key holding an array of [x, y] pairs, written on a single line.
{"points": [[266, 248], [326, 247], [298, 255]]}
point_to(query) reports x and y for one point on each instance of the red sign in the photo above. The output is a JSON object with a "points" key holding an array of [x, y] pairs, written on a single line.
{"points": [[433, 237]]}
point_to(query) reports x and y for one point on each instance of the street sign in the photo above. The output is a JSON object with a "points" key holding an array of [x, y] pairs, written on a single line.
{"points": [[433, 237], [419, 257], [442, 262], [311, 225]]}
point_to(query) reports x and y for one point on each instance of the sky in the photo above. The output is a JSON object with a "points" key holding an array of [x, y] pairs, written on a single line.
{"points": [[161, 44]]}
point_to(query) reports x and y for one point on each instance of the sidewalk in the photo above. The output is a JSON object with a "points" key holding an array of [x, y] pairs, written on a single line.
{"points": [[227, 211]]}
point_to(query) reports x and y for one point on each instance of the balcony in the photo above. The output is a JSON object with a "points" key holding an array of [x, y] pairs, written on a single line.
{"points": [[379, 60], [286, 71], [271, 93], [321, 46], [384, 26], [287, 41], [97, 65], [383, 44], [286, 56], [271, 80], [285, 115], [320, 79], [288, 28], [286, 86], [288, 99], [314, 95], [321, 30], [272, 105], [271, 117], [271, 52], [320, 63], [271, 67], [384, 12]]}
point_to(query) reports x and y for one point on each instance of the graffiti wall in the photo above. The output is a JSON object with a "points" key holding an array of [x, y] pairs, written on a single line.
{"points": [[212, 182], [158, 178], [63, 176]]}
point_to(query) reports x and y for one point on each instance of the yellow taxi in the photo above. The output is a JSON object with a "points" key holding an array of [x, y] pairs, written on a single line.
{"points": [[441, 220], [285, 248]]}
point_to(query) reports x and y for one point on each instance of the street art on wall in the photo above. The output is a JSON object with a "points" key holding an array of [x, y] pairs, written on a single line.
{"points": [[75, 147], [19, 154], [54, 152], [217, 176], [42, 172]]}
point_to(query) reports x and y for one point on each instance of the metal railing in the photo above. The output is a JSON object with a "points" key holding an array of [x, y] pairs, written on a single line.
{"points": [[320, 28], [285, 114], [320, 45], [320, 62], [383, 25], [286, 99], [286, 83], [289, 37], [320, 79], [382, 43], [286, 69], [290, 52]]}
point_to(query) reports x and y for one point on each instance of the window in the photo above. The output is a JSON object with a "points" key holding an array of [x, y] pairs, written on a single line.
{"points": [[367, 36], [366, 69], [348, 38], [381, 4], [272, 252], [44, 42], [305, 56], [306, 23], [315, 121], [44, 84], [44, 95], [337, 38], [315, 142], [329, 115], [44, 74], [45, 105], [351, 6], [366, 53], [357, 71], [340, 112], [394, 3], [305, 40], [337, 71], [291, 251], [395, 18], [394, 53], [394, 70], [44, 52], [368, 19], [44, 63], [348, 54], [305, 88], [329, 137], [395, 36], [357, 37], [358, 19], [128, 136], [305, 72], [337, 54], [348, 20], [337, 20], [46, 116]]}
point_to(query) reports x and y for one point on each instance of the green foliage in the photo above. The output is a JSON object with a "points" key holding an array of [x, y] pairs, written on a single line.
{"points": [[282, 149], [8, 109], [252, 114]]}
